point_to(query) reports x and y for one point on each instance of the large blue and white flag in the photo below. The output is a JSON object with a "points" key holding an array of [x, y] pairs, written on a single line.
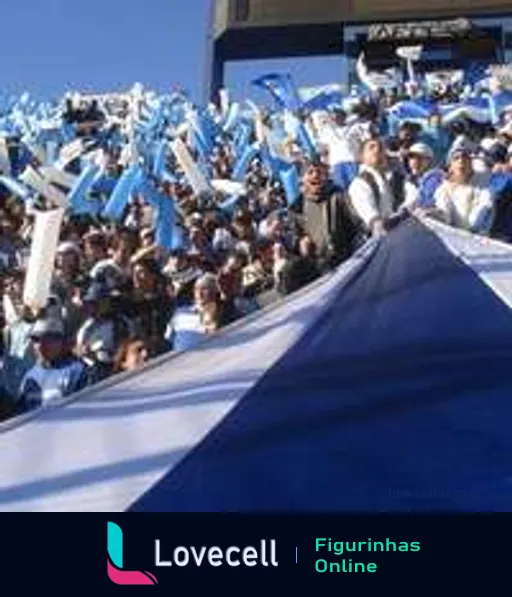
{"points": [[374, 389]]}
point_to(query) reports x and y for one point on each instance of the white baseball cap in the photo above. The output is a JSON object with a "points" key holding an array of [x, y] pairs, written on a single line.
{"points": [[421, 149]]}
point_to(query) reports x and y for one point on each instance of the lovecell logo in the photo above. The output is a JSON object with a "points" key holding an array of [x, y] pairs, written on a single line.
{"points": [[116, 573]]}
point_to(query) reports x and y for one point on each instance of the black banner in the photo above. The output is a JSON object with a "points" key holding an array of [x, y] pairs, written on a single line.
{"points": [[206, 554], [420, 30]]}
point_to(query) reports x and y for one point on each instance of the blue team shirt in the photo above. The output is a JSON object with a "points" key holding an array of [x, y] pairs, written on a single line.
{"points": [[43, 384]]}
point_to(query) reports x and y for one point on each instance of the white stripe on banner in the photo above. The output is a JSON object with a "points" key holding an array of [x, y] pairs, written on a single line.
{"points": [[490, 259], [102, 449]]}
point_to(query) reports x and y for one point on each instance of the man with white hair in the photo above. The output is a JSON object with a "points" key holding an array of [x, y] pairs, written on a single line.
{"points": [[192, 324]]}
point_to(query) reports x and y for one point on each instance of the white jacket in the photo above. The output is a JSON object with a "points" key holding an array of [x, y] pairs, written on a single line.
{"points": [[466, 206], [363, 198]]}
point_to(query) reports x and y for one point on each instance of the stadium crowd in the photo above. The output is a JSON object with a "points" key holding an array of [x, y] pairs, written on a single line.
{"points": [[122, 292]]}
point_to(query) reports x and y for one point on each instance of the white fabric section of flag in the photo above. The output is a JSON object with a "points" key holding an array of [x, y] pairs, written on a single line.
{"points": [[57, 176], [232, 117], [343, 143], [276, 142], [9, 310], [38, 152], [490, 259], [410, 52], [102, 449], [32, 179], [441, 80], [260, 130], [194, 175], [291, 124], [5, 162], [45, 241], [224, 102], [70, 152], [502, 74], [308, 93], [375, 80], [229, 187]]}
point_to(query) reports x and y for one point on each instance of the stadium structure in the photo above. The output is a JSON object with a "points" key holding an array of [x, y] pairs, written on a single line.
{"points": [[454, 35]]}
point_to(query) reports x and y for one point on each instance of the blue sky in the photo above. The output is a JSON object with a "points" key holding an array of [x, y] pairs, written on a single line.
{"points": [[50, 46]]}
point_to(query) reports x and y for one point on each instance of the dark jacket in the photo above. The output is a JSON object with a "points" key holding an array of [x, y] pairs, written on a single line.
{"points": [[329, 223]]}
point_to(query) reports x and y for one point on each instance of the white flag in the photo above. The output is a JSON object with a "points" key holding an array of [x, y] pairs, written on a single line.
{"points": [[45, 241], [410, 52]]}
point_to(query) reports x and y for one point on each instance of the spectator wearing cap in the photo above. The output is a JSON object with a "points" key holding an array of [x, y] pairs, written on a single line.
{"points": [[420, 159], [464, 199], [422, 177], [57, 373], [100, 337]]}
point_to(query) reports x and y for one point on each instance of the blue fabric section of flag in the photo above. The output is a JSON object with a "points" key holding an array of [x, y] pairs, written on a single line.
{"points": [[272, 164], [104, 184], [344, 173], [291, 183], [500, 183], [439, 139], [243, 137], [498, 103], [78, 200], [15, 187], [306, 142], [160, 159], [282, 89], [199, 145], [122, 193], [428, 185], [23, 159], [242, 165], [413, 110], [323, 101], [474, 72], [165, 224], [165, 213], [397, 398], [229, 205], [204, 136]]}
